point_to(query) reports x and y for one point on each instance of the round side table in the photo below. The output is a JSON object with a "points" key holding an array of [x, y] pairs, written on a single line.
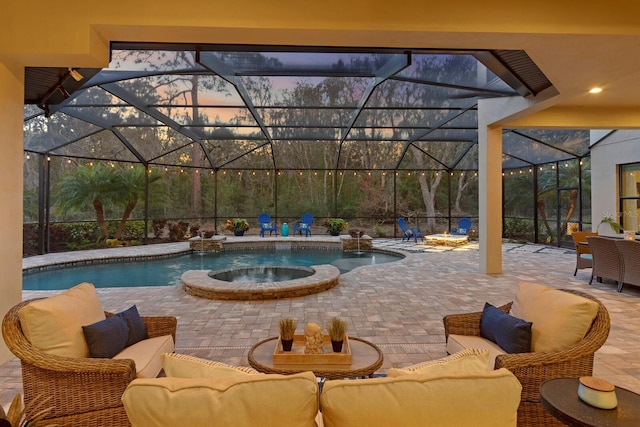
{"points": [[366, 358], [560, 398]]}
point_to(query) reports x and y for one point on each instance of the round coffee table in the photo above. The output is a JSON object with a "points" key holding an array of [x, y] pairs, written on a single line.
{"points": [[560, 398], [366, 358]]}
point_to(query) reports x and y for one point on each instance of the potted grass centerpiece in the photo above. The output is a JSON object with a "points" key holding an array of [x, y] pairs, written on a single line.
{"points": [[287, 330], [337, 329]]}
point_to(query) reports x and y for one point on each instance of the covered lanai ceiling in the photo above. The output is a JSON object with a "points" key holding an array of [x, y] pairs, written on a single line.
{"points": [[275, 108]]}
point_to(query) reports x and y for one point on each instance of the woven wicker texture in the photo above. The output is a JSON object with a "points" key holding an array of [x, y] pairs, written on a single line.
{"points": [[579, 240], [83, 392], [532, 369], [607, 262], [630, 253]]}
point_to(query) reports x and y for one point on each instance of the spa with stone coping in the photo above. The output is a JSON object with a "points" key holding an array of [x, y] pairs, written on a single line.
{"points": [[199, 283]]}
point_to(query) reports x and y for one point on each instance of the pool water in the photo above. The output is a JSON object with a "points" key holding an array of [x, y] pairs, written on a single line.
{"points": [[167, 271], [267, 274]]}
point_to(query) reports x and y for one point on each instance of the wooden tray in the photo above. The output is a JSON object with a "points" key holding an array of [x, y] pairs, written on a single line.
{"points": [[297, 357]]}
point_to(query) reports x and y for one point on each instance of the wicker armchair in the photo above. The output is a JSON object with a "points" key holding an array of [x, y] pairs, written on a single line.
{"points": [[84, 391], [607, 262], [630, 253], [532, 369], [583, 251]]}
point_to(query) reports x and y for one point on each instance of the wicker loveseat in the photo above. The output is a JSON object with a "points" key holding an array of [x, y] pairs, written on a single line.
{"points": [[533, 368], [81, 391]]}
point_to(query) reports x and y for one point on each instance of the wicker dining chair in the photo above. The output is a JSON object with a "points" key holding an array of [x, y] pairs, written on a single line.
{"points": [[584, 258], [81, 391], [630, 253], [532, 369], [607, 262]]}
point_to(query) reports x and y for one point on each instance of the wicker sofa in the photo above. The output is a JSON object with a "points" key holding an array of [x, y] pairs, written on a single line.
{"points": [[532, 368], [456, 391], [83, 391]]}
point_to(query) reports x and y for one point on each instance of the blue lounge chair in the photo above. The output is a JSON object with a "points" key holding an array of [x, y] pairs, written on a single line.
{"points": [[264, 219], [304, 225], [463, 227], [409, 232]]}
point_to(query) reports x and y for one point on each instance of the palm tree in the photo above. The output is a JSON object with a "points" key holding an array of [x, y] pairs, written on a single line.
{"points": [[131, 184], [88, 184]]}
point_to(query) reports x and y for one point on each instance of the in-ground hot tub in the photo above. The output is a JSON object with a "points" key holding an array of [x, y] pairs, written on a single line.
{"points": [[262, 274], [235, 284]]}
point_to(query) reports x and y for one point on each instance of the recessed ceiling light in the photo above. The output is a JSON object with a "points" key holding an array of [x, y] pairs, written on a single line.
{"points": [[595, 90]]}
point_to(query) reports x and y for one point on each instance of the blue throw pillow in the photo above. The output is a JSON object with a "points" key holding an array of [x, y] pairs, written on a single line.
{"points": [[513, 335], [106, 338], [137, 328]]}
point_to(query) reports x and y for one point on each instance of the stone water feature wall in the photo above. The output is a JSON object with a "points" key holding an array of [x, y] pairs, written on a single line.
{"points": [[221, 243]]}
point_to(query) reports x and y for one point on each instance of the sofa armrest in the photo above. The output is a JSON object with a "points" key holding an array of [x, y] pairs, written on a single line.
{"points": [[467, 323]]}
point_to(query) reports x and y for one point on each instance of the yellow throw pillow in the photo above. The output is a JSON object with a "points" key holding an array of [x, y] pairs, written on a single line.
{"points": [[183, 366], [469, 360], [54, 324], [559, 318]]}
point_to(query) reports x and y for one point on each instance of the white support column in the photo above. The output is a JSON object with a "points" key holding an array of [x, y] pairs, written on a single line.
{"points": [[490, 194], [491, 114], [11, 152]]}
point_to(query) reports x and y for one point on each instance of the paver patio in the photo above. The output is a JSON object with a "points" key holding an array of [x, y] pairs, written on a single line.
{"points": [[398, 306]]}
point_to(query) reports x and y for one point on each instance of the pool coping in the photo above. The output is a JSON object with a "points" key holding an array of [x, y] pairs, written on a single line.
{"points": [[56, 260]]}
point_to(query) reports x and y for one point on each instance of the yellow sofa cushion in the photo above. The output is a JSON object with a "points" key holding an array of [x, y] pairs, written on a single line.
{"points": [[467, 360], [559, 318], [146, 354], [232, 401], [457, 343], [54, 324], [184, 366], [488, 398]]}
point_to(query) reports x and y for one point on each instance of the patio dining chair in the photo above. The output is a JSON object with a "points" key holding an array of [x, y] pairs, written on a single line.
{"points": [[264, 219], [630, 253], [409, 232], [607, 262], [584, 258], [304, 225]]}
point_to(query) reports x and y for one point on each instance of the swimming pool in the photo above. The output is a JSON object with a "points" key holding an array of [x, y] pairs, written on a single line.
{"points": [[167, 271]]}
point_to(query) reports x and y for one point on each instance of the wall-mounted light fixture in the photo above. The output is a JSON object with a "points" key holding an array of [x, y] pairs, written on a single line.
{"points": [[75, 74]]}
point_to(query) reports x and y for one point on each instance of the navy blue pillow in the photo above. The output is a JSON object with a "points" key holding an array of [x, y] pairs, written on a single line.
{"points": [[137, 329], [106, 338], [513, 335]]}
